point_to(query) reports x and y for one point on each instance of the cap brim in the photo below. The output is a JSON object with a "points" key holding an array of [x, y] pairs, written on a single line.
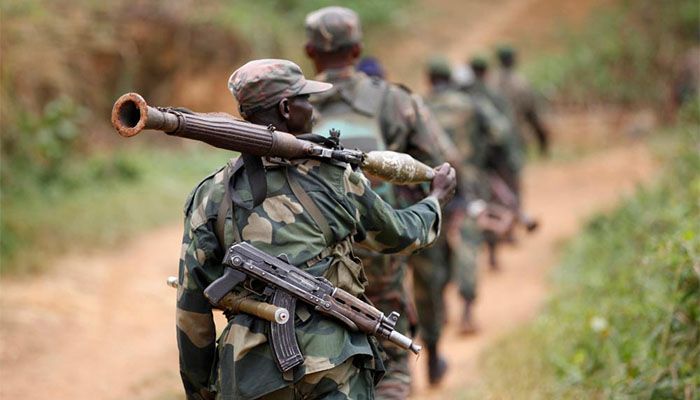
{"points": [[312, 87]]}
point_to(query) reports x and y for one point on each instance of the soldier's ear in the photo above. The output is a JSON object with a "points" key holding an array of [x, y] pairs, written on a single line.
{"points": [[283, 108], [356, 50], [310, 51]]}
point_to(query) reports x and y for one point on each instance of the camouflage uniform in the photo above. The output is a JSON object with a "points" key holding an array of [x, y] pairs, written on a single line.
{"points": [[454, 255], [373, 114], [504, 153], [338, 363], [521, 98], [502, 159]]}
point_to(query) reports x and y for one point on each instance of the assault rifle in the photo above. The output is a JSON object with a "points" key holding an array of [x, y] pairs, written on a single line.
{"points": [[131, 115], [286, 284]]}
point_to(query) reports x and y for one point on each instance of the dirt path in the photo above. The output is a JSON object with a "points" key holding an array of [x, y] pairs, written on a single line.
{"points": [[562, 195], [461, 29], [102, 326]]}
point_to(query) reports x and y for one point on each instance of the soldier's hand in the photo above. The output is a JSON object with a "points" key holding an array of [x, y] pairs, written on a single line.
{"points": [[444, 184]]}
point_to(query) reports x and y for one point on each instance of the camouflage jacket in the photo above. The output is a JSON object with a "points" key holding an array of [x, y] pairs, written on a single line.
{"points": [[243, 367], [496, 126], [518, 93], [404, 123], [460, 117]]}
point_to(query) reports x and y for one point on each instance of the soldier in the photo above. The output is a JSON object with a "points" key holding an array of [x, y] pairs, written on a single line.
{"points": [[454, 254], [372, 114], [521, 97], [311, 211], [500, 148]]}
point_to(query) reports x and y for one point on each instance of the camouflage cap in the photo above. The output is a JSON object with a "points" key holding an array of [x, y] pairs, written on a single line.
{"points": [[478, 62], [330, 28], [505, 50], [260, 84], [506, 54], [439, 65]]}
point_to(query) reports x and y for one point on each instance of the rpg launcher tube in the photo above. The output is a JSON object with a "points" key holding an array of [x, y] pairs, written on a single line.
{"points": [[237, 305], [131, 115]]}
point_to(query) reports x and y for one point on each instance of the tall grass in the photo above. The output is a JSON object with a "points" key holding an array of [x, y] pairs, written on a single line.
{"points": [[626, 54], [624, 321]]}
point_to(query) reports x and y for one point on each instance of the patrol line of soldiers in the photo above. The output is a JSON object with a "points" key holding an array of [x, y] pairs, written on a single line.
{"points": [[323, 215]]}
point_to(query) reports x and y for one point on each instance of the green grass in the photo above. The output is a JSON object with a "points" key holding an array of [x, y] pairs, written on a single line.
{"points": [[98, 203], [624, 319], [626, 54]]}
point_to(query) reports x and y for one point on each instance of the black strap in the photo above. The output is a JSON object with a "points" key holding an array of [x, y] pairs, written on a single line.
{"points": [[226, 206], [255, 172], [256, 180]]}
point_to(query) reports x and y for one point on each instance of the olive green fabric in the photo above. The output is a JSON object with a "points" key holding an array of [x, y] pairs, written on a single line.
{"points": [[241, 366], [453, 257], [372, 114]]}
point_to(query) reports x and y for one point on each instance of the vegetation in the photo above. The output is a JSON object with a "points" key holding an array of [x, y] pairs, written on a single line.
{"points": [[625, 54], [62, 168], [624, 321], [98, 202]]}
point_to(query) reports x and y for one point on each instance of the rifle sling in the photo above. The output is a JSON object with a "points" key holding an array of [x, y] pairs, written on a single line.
{"points": [[309, 206], [226, 206]]}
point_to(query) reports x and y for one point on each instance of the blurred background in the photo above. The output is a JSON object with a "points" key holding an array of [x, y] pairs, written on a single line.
{"points": [[90, 222]]}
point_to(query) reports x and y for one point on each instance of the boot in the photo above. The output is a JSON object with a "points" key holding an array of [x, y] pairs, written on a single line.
{"points": [[437, 366], [491, 247], [467, 325]]}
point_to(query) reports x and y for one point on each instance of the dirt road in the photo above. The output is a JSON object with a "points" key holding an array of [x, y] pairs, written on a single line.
{"points": [[102, 326], [562, 196]]}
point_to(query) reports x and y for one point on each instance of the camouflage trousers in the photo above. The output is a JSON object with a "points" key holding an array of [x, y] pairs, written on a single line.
{"points": [[345, 381], [434, 267], [388, 292]]}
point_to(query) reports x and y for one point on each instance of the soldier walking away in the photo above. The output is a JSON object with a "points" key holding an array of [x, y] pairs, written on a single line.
{"points": [[308, 211], [521, 97], [372, 114], [458, 116]]}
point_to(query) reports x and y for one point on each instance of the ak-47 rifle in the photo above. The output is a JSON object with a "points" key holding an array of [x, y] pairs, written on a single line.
{"points": [[286, 284], [131, 115]]}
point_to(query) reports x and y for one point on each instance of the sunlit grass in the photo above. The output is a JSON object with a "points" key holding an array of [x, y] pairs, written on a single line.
{"points": [[102, 209], [624, 320]]}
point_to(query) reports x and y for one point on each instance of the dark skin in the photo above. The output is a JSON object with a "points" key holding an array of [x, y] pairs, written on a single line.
{"points": [[438, 80], [336, 59], [293, 115]]}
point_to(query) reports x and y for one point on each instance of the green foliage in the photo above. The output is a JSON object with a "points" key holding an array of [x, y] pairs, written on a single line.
{"points": [[277, 26], [63, 65], [625, 318], [39, 144], [626, 54], [98, 202]]}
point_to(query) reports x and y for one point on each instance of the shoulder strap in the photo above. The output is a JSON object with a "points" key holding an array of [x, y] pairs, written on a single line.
{"points": [[369, 96], [226, 206], [309, 206]]}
